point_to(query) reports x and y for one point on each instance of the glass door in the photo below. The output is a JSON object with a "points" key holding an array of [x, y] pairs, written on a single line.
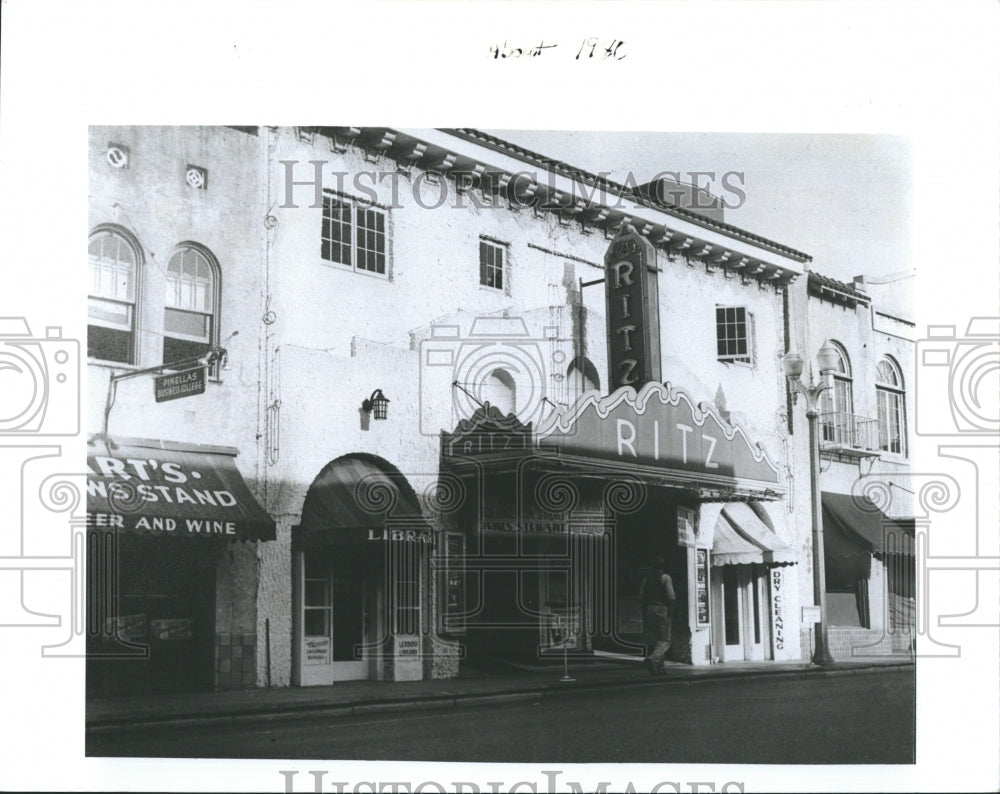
{"points": [[733, 599], [349, 662], [758, 638], [332, 620]]}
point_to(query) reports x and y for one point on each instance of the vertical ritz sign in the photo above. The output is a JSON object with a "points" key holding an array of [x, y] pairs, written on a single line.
{"points": [[633, 310]]}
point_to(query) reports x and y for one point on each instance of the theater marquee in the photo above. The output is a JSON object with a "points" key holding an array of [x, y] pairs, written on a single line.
{"points": [[658, 429]]}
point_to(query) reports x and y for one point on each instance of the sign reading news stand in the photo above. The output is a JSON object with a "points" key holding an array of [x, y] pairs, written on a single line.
{"points": [[171, 489]]}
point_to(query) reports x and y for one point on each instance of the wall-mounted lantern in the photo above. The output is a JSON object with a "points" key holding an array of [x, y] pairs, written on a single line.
{"points": [[377, 404]]}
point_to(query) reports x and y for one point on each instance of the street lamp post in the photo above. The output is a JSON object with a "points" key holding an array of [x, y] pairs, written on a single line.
{"points": [[792, 365]]}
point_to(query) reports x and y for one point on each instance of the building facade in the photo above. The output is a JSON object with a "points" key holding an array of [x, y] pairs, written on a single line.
{"points": [[867, 506], [474, 393]]}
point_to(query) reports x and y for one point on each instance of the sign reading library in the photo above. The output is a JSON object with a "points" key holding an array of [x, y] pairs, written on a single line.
{"points": [[633, 310]]}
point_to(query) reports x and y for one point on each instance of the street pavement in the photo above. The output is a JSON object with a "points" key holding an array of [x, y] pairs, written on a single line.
{"points": [[864, 718], [261, 722]]}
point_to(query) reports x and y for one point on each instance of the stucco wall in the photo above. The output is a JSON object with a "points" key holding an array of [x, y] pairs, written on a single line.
{"points": [[867, 337], [315, 338], [151, 204]]}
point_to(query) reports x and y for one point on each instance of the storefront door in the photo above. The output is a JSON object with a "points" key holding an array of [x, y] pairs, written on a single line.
{"points": [[741, 598], [757, 645], [333, 622], [732, 614], [348, 626], [163, 592]]}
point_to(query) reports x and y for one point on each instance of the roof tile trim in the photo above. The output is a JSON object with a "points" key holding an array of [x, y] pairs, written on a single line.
{"points": [[563, 169]]}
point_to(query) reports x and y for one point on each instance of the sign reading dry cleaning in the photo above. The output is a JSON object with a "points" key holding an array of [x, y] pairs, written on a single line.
{"points": [[180, 384]]}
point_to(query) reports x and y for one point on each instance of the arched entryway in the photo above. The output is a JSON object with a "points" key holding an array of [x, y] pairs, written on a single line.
{"points": [[359, 555]]}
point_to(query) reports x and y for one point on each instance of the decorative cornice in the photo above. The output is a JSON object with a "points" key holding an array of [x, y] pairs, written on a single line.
{"points": [[617, 190], [600, 203]]}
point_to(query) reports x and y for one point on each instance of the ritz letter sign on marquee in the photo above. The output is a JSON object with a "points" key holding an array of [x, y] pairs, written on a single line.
{"points": [[633, 310]]}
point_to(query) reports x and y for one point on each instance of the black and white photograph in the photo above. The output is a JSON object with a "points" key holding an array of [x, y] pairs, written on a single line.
{"points": [[588, 416], [427, 418]]}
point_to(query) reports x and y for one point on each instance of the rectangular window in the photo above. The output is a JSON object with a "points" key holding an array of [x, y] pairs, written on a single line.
{"points": [[353, 236], [371, 240], [491, 259], [110, 331], [404, 583], [837, 420], [406, 616], [317, 604], [113, 297], [734, 334], [890, 421]]}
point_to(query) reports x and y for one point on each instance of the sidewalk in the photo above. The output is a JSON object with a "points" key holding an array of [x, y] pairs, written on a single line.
{"points": [[472, 687]]}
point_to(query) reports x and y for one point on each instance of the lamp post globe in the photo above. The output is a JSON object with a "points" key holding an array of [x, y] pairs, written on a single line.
{"points": [[792, 366]]}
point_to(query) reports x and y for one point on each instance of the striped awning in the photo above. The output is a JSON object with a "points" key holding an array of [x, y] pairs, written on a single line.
{"points": [[741, 538]]}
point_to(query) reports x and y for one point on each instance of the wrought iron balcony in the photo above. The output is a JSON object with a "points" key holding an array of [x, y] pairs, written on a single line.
{"points": [[851, 435]]}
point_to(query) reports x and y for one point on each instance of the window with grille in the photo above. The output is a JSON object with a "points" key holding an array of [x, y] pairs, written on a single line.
{"points": [[317, 603], [891, 416], [353, 235], [734, 334], [404, 572], [112, 302], [189, 322], [491, 262]]}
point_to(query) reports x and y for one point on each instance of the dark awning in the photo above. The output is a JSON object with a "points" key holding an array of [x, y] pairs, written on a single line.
{"points": [[167, 489], [357, 499], [855, 521]]}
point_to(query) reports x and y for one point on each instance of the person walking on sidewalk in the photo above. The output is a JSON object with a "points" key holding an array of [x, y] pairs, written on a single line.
{"points": [[657, 595]]}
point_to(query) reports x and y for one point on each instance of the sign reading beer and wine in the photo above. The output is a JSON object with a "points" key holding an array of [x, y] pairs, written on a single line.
{"points": [[171, 490], [633, 310]]}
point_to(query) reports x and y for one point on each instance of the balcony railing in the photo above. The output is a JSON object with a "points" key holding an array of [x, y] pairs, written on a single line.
{"points": [[848, 434]]}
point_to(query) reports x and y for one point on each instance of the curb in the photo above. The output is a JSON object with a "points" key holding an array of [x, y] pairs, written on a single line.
{"points": [[444, 702]]}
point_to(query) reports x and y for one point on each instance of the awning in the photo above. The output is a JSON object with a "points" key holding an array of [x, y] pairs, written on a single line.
{"points": [[357, 499], [167, 489], [856, 521], [741, 538], [773, 549], [731, 548]]}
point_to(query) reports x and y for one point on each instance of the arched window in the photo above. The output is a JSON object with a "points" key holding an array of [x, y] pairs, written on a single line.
{"points": [[114, 268], [190, 315], [891, 416], [581, 376], [500, 390], [837, 404]]}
